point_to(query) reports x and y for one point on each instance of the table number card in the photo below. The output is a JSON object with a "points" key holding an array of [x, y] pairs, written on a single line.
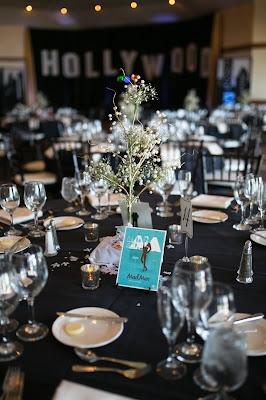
{"points": [[141, 258], [186, 217]]}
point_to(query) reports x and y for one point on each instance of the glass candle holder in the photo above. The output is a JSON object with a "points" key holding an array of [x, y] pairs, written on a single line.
{"points": [[91, 232], [175, 234], [90, 276]]}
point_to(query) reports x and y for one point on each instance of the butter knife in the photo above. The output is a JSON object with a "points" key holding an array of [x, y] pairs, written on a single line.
{"points": [[98, 317], [253, 317]]}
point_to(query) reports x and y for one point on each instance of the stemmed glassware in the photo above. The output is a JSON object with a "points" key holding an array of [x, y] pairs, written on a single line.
{"points": [[218, 315], [9, 200], [252, 194], [261, 198], [171, 318], [110, 190], [195, 294], [99, 186], [224, 362], [34, 199], [10, 295], [184, 181], [82, 187], [69, 193], [32, 271], [165, 186], [241, 195]]}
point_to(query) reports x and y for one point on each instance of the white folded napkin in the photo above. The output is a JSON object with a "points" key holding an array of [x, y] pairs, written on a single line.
{"points": [[20, 215], [105, 253], [211, 201], [70, 390], [114, 198]]}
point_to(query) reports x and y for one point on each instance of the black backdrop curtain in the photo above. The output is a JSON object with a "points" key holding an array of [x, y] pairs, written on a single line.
{"points": [[75, 68]]}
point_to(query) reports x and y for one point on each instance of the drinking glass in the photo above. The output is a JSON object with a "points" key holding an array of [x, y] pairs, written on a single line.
{"points": [[110, 190], [32, 271], [252, 194], [34, 199], [9, 200], [171, 318], [261, 198], [10, 295], [99, 186], [82, 187], [241, 195], [69, 193], [218, 315], [184, 181], [195, 294], [224, 362], [165, 185]]}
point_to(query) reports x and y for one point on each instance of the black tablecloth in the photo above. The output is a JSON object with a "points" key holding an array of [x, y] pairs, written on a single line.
{"points": [[48, 361]]}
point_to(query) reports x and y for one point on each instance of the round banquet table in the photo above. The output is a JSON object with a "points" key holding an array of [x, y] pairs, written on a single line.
{"points": [[48, 361]]}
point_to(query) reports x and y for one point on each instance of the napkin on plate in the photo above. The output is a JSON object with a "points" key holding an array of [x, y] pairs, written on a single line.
{"points": [[20, 215], [114, 198], [105, 252], [211, 201], [70, 390]]}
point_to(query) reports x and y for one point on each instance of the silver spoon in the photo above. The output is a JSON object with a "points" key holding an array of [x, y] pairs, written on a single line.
{"points": [[91, 357]]}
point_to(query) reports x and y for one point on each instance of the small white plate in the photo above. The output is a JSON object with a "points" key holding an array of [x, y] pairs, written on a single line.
{"points": [[209, 216], [258, 239], [67, 222], [97, 333], [8, 241], [255, 333]]}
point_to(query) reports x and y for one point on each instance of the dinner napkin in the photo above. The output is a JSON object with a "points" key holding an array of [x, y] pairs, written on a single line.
{"points": [[70, 390], [20, 215], [108, 251], [211, 201], [114, 198]]}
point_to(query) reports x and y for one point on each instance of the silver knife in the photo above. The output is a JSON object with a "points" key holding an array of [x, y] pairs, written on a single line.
{"points": [[98, 317], [250, 318]]}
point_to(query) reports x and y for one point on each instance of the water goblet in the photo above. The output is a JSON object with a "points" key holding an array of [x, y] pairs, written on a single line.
{"points": [[184, 181], [165, 185], [99, 186], [9, 200], [217, 315], [34, 199], [241, 195], [10, 295], [171, 318], [261, 198], [69, 193], [32, 272], [82, 187], [220, 373], [252, 194], [195, 294]]}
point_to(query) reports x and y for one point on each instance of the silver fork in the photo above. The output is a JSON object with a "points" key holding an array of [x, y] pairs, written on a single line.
{"points": [[131, 373]]}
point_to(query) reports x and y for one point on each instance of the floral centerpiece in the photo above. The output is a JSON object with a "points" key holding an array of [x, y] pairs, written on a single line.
{"points": [[139, 151]]}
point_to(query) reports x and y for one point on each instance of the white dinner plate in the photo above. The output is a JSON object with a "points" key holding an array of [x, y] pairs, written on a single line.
{"points": [[258, 239], [8, 241], [255, 333], [209, 216], [67, 223], [97, 333]]}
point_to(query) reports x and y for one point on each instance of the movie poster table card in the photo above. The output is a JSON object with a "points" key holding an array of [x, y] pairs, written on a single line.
{"points": [[141, 258]]}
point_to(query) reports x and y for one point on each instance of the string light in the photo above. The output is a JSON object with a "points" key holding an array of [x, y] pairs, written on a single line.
{"points": [[29, 8], [63, 10], [134, 4], [98, 7], [171, 2]]}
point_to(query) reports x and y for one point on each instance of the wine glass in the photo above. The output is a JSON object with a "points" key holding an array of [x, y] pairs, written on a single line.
{"points": [[252, 194], [261, 198], [10, 295], [218, 315], [99, 186], [68, 192], [224, 362], [241, 195], [184, 181], [195, 294], [165, 185], [110, 190], [9, 200], [34, 199], [171, 318], [82, 187], [32, 272]]}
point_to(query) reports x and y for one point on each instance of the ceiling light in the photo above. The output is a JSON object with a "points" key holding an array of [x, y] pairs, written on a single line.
{"points": [[134, 4], [171, 2], [98, 7], [63, 10], [29, 8]]}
